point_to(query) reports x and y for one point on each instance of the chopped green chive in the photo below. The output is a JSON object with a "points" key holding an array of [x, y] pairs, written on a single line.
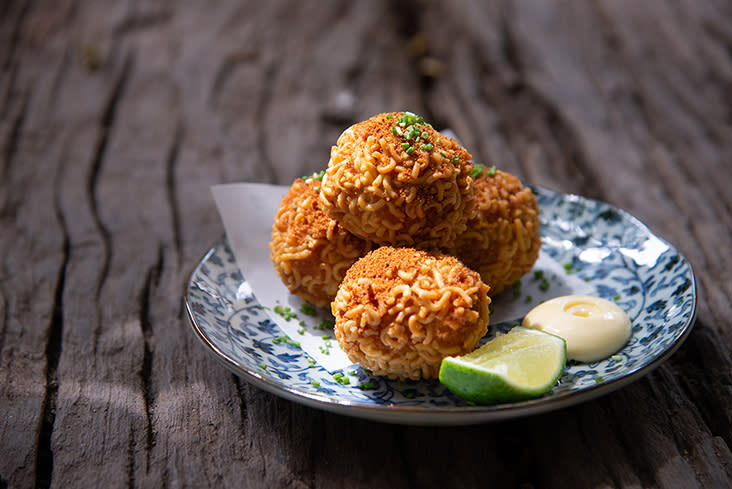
{"points": [[616, 358], [307, 308], [568, 268], [318, 175], [491, 171], [405, 145], [427, 147], [410, 150], [366, 386], [544, 285], [301, 331], [341, 379], [311, 363], [324, 324], [442, 154], [616, 297], [538, 274], [285, 312], [315, 383], [599, 379], [263, 366], [456, 158], [389, 116], [477, 170]]}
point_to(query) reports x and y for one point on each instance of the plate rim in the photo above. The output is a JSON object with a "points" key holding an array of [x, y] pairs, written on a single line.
{"points": [[439, 415]]}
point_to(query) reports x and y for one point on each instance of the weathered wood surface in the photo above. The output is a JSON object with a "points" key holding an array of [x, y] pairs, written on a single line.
{"points": [[116, 117]]}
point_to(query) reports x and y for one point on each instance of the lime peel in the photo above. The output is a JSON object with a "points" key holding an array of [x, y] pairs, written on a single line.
{"points": [[521, 364]]}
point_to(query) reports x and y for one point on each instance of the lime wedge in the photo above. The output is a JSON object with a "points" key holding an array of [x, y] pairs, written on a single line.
{"points": [[521, 364]]}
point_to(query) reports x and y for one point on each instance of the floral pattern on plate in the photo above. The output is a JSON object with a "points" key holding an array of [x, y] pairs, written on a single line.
{"points": [[606, 247]]}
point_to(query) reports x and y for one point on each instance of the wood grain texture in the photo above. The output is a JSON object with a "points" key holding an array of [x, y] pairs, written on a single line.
{"points": [[117, 117]]}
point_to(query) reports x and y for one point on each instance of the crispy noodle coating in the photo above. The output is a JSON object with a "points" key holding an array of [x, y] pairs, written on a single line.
{"points": [[311, 252], [400, 311], [398, 182], [502, 241]]}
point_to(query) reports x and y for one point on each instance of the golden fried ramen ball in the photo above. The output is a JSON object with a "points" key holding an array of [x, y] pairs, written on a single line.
{"points": [[395, 180], [502, 240], [400, 311], [311, 252]]}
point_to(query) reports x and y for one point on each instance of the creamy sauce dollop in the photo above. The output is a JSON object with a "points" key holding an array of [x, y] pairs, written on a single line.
{"points": [[593, 328]]}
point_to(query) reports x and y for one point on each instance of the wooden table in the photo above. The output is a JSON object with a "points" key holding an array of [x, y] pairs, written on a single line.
{"points": [[117, 117]]}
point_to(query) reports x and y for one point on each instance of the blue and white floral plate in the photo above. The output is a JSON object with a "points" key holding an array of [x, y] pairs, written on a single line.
{"points": [[605, 247]]}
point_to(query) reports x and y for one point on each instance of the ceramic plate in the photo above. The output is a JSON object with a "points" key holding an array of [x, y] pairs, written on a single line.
{"points": [[604, 247]]}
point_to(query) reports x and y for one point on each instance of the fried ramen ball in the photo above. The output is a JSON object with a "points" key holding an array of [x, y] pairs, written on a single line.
{"points": [[502, 241], [311, 252], [400, 311], [395, 180]]}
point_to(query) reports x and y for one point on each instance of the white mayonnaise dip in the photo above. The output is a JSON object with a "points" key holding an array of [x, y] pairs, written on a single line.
{"points": [[593, 328]]}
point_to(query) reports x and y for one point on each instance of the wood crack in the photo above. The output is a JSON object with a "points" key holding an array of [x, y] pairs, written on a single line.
{"points": [[10, 143], [17, 27], [152, 279], [260, 112], [172, 192], [107, 124], [243, 413], [131, 458], [44, 459]]}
